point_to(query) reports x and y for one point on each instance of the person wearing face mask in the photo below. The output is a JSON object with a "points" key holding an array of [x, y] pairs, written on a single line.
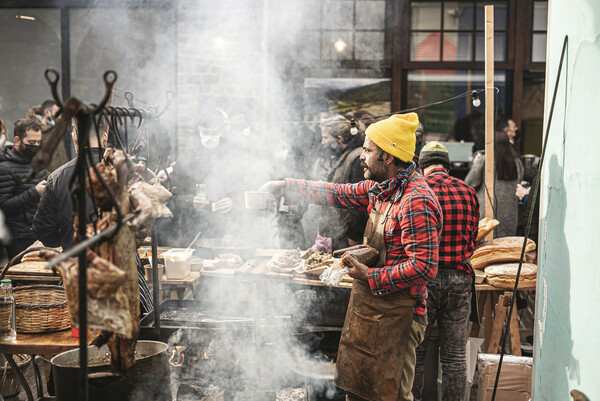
{"points": [[19, 197], [46, 115], [205, 183]]}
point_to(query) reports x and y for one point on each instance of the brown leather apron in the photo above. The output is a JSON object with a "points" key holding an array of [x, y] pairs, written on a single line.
{"points": [[371, 351]]}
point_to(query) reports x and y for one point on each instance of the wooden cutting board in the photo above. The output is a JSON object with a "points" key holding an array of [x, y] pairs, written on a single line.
{"points": [[260, 269], [31, 269]]}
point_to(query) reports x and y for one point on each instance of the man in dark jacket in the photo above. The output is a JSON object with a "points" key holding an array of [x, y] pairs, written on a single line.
{"points": [[18, 196], [53, 221]]}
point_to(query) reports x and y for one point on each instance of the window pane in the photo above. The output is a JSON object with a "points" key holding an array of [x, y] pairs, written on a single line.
{"points": [[425, 15], [138, 45], [454, 121], [500, 17], [29, 44], [538, 48], [458, 16], [328, 45], [499, 46], [338, 14], [540, 16], [370, 15], [458, 46], [369, 46], [425, 46]]}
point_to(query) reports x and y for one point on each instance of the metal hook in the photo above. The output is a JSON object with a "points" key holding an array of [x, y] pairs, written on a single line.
{"points": [[129, 97], [54, 85], [110, 77], [170, 96]]}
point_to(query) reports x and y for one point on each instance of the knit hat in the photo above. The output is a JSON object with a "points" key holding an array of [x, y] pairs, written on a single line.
{"points": [[434, 153], [396, 135]]}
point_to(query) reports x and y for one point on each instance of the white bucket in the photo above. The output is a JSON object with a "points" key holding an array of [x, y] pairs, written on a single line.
{"points": [[256, 200], [177, 263]]}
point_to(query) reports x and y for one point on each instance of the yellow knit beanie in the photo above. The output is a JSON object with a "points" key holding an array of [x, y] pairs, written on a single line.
{"points": [[396, 135]]}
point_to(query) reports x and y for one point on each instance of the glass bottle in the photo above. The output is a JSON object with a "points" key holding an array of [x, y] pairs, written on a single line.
{"points": [[8, 324]]}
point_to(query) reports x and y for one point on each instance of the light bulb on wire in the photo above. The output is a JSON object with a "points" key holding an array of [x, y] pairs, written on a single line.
{"points": [[353, 128], [476, 100]]}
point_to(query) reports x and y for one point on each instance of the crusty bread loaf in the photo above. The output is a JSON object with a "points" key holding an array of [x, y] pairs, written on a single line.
{"points": [[503, 275], [363, 253], [507, 249], [486, 225]]}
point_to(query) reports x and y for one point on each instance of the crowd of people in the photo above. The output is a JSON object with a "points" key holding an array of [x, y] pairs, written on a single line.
{"points": [[363, 180]]}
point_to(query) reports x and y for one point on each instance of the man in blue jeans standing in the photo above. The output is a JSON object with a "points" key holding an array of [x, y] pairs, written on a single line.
{"points": [[449, 299]]}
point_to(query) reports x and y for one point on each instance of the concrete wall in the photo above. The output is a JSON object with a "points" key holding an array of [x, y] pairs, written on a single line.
{"points": [[567, 349]]}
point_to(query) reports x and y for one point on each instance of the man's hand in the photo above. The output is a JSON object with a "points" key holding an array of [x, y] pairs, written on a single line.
{"points": [[356, 269], [522, 191], [223, 206], [275, 188], [200, 203], [41, 186]]}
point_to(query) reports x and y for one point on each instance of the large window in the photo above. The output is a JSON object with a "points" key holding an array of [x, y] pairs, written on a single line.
{"points": [[29, 43], [539, 31], [452, 121], [352, 30], [454, 30]]}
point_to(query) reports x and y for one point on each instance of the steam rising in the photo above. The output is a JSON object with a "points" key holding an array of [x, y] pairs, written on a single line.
{"points": [[246, 57]]}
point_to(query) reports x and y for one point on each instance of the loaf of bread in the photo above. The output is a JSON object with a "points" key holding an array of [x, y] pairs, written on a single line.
{"points": [[363, 253], [486, 225], [503, 275], [507, 249]]}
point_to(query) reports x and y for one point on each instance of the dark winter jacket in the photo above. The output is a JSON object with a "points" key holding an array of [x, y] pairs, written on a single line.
{"points": [[53, 222], [18, 197]]}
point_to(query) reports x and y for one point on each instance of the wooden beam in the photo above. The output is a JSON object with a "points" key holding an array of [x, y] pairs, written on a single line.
{"points": [[489, 114]]}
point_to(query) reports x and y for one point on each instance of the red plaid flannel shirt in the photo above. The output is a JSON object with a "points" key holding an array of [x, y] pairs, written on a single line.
{"points": [[461, 219], [412, 229]]}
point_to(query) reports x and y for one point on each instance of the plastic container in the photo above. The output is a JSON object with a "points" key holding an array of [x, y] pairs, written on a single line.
{"points": [[148, 272], [256, 200], [178, 263], [8, 322]]}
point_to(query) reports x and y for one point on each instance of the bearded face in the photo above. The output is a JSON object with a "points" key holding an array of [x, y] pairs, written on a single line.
{"points": [[372, 162]]}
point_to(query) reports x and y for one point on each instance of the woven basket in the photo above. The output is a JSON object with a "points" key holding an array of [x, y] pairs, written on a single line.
{"points": [[41, 309], [9, 383]]}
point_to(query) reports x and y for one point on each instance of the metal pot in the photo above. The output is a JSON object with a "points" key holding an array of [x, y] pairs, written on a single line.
{"points": [[148, 378]]}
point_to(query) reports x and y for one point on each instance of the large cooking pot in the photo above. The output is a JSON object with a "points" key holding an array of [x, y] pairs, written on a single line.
{"points": [[213, 247], [147, 379]]}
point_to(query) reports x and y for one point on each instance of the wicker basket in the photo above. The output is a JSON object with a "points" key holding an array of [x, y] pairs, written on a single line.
{"points": [[41, 309], [9, 384]]}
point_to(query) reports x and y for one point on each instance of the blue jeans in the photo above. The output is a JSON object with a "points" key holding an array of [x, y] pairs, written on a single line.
{"points": [[448, 303]]}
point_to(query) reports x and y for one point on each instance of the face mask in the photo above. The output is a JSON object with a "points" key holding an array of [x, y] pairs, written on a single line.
{"points": [[29, 151], [50, 122], [210, 141], [517, 134]]}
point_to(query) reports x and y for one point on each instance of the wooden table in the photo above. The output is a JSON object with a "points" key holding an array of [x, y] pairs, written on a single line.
{"points": [[38, 344], [175, 288], [494, 304]]}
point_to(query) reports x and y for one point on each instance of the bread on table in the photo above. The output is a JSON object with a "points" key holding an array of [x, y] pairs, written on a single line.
{"points": [[507, 249], [486, 226], [503, 275]]}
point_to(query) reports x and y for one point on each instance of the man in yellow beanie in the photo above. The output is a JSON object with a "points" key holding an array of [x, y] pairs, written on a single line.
{"points": [[449, 294], [386, 316]]}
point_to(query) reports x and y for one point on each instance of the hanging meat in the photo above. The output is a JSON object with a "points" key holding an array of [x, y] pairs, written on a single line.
{"points": [[113, 293]]}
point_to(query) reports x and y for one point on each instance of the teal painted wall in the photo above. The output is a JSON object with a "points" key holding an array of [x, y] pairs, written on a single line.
{"points": [[567, 333]]}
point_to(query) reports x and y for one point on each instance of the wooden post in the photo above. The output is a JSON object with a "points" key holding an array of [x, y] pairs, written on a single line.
{"points": [[489, 115]]}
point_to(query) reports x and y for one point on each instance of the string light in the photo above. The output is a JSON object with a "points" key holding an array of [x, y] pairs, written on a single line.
{"points": [[353, 128], [476, 100]]}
